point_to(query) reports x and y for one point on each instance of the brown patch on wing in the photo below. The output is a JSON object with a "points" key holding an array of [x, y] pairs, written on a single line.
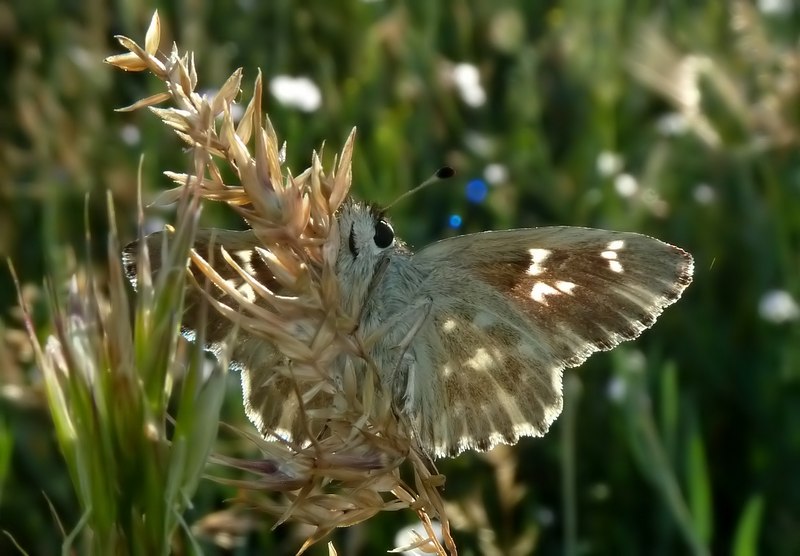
{"points": [[602, 307]]}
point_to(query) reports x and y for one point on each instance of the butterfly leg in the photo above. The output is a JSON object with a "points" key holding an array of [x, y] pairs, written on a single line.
{"points": [[377, 277], [403, 386]]}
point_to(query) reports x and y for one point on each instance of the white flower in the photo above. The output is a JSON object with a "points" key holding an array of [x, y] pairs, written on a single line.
{"points": [[633, 363], [778, 306], [237, 110], [468, 83], [130, 135], [654, 202], [495, 173], [617, 389], [608, 163], [82, 58], [673, 123], [775, 7], [704, 194], [626, 185], [478, 143], [296, 92]]}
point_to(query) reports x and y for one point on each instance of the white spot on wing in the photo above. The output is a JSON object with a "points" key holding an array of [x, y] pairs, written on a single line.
{"points": [[243, 288], [481, 361], [540, 290], [538, 256], [233, 283], [245, 259], [611, 255], [449, 325], [565, 287]]}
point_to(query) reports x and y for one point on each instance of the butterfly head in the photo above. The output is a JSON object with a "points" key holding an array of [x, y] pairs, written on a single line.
{"points": [[366, 235], [366, 242]]}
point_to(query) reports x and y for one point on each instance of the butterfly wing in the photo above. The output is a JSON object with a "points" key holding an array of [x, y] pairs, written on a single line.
{"points": [[512, 309], [269, 398]]}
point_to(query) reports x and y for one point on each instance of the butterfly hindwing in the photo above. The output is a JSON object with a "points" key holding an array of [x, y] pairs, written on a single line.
{"points": [[488, 389], [269, 398]]}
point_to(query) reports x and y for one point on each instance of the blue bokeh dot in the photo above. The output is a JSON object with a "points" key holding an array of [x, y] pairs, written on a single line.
{"points": [[455, 221], [476, 191]]}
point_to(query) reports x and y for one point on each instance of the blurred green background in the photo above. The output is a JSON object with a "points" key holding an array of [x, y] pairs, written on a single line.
{"points": [[676, 119]]}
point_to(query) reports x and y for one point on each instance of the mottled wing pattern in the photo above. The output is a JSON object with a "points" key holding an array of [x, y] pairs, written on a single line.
{"points": [[269, 399], [554, 297], [208, 244]]}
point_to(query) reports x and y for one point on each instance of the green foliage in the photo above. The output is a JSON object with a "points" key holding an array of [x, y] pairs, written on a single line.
{"points": [[6, 448], [108, 387], [678, 120], [746, 540]]}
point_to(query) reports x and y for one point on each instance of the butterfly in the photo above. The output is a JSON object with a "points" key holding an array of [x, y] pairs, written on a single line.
{"points": [[475, 330]]}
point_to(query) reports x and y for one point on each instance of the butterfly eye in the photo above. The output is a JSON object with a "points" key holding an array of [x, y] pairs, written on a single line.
{"points": [[384, 234]]}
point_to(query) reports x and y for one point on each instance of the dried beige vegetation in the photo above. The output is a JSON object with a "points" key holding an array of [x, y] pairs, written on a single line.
{"points": [[351, 470]]}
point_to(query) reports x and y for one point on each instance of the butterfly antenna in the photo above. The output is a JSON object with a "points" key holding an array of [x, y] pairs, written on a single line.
{"points": [[443, 173]]}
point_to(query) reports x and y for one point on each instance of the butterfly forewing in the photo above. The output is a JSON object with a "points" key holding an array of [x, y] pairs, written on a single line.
{"points": [[554, 297]]}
